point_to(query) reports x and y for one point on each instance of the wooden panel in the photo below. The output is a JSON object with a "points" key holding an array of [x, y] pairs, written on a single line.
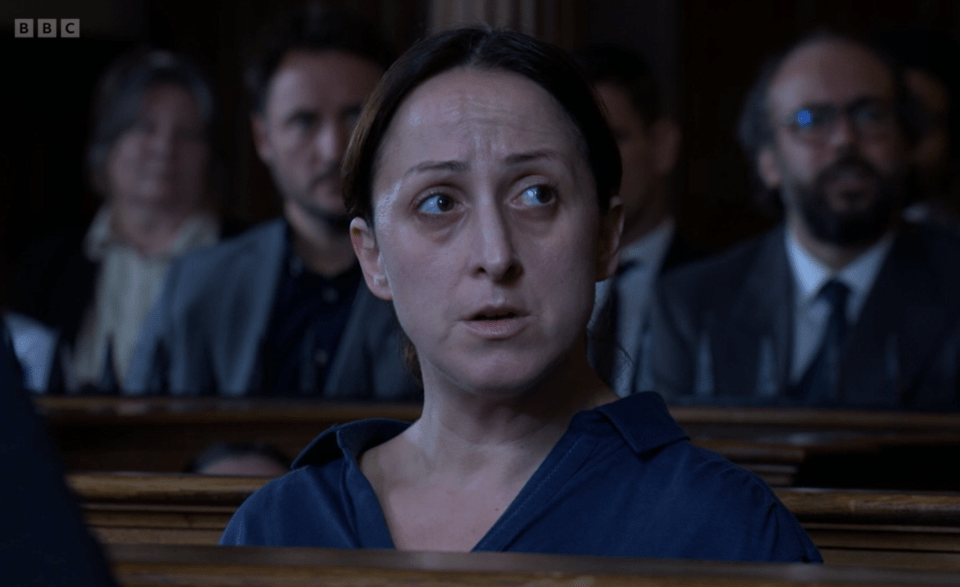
{"points": [[785, 447], [877, 528], [141, 565]]}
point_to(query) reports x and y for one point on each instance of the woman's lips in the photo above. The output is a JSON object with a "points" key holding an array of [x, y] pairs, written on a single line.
{"points": [[497, 325]]}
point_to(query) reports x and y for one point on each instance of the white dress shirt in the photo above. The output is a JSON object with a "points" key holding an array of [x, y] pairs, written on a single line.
{"points": [[640, 262], [126, 287], [811, 312]]}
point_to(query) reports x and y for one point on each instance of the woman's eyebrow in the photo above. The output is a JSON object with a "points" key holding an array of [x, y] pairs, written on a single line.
{"points": [[521, 158], [455, 166], [460, 166]]}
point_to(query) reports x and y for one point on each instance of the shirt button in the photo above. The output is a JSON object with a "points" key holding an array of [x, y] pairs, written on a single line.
{"points": [[330, 295], [322, 357]]}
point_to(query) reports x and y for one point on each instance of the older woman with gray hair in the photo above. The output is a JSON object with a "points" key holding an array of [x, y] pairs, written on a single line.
{"points": [[150, 158]]}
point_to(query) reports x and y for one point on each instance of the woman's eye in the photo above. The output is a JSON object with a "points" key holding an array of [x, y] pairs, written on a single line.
{"points": [[436, 204], [537, 195]]}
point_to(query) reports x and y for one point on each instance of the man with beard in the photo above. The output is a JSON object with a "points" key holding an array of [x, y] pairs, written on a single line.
{"points": [[842, 305], [282, 309]]}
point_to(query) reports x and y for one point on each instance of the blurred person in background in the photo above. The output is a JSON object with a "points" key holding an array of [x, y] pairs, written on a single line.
{"points": [[931, 74], [649, 143], [150, 156], [844, 304], [283, 310]]}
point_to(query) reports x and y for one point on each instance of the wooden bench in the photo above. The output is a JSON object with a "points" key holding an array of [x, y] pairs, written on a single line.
{"points": [[862, 528], [165, 434], [815, 448], [833, 448], [151, 565]]}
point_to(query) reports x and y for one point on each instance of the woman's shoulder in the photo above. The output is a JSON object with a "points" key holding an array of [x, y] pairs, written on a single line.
{"points": [[320, 501], [289, 510], [704, 505]]}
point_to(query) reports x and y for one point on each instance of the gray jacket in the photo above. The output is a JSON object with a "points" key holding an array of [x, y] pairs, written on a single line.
{"points": [[204, 335]]}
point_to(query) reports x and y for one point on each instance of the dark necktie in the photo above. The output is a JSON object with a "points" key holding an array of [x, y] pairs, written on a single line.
{"points": [[821, 382]]}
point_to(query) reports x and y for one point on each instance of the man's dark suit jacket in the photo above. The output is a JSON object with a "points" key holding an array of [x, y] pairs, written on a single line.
{"points": [[722, 329], [603, 349], [206, 332]]}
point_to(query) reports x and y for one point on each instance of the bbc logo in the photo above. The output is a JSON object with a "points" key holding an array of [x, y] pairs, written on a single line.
{"points": [[46, 28]]}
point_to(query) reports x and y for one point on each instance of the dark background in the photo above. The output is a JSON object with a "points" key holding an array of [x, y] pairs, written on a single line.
{"points": [[706, 53]]}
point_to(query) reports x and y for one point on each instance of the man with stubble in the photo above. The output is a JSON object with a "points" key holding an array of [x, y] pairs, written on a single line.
{"points": [[282, 309]]}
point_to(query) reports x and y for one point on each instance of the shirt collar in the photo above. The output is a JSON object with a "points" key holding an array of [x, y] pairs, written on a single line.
{"points": [[810, 274], [199, 229], [649, 250]]}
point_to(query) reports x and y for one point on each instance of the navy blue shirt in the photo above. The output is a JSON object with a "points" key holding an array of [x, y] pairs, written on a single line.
{"points": [[624, 480], [43, 539], [310, 313]]}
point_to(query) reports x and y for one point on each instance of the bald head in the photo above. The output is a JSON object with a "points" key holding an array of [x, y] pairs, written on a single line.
{"points": [[830, 70]]}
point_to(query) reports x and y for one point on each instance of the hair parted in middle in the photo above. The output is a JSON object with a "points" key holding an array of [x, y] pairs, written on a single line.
{"points": [[486, 49]]}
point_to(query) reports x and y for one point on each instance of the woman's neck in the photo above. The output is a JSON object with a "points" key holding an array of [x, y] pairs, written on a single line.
{"points": [[447, 479], [151, 230], [464, 430]]}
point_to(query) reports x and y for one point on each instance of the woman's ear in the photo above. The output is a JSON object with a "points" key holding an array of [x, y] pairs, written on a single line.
{"points": [[365, 246], [608, 245]]}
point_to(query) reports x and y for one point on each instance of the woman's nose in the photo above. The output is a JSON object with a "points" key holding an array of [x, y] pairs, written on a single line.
{"points": [[495, 252]]}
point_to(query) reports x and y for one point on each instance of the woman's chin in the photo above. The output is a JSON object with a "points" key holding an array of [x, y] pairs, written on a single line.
{"points": [[503, 378]]}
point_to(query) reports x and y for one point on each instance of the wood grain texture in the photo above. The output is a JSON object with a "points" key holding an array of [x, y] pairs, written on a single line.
{"points": [[786, 447], [141, 565], [877, 528]]}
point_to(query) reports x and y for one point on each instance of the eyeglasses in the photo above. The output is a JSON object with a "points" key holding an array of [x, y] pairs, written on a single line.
{"points": [[870, 118]]}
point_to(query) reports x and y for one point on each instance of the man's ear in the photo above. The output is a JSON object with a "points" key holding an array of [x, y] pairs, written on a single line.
{"points": [[365, 246], [261, 140], [608, 245], [768, 168], [666, 137]]}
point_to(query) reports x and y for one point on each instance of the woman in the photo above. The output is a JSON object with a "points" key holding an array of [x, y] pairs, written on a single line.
{"points": [[150, 158], [481, 180]]}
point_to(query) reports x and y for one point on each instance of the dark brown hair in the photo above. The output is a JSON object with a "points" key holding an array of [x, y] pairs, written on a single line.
{"points": [[312, 27], [119, 99], [489, 49], [482, 48]]}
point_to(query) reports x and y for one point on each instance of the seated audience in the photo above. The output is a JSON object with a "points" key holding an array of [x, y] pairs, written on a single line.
{"points": [[43, 540], [931, 75], [481, 181], [843, 304], [150, 158], [37, 351], [649, 142], [240, 458], [282, 309]]}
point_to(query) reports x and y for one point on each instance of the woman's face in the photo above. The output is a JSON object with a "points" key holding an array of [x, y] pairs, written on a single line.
{"points": [[162, 159], [487, 234]]}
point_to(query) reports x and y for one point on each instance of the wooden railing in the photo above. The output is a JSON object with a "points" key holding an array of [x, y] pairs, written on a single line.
{"points": [[153, 565], [785, 447], [862, 528]]}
